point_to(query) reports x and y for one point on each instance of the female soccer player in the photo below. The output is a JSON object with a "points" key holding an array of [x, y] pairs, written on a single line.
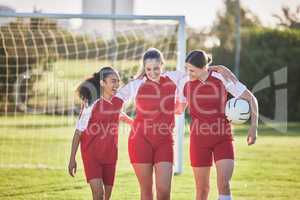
{"points": [[97, 131], [210, 132], [150, 144]]}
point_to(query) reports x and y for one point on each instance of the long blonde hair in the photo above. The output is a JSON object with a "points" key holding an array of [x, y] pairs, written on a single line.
{"points": [[151, 53]]}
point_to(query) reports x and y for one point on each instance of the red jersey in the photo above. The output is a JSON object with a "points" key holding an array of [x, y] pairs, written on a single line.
{"points": [[206, 104], [155, 104], [99, 126]]}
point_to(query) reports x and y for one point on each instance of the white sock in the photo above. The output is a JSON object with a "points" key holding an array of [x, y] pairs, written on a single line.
{"points": [[225, 197]]}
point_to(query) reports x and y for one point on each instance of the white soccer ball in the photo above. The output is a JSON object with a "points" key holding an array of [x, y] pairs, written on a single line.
{"points": [[237, 111]]}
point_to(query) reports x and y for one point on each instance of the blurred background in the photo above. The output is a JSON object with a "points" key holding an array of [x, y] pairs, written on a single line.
{"points": [[42, 61], [253, 38]]}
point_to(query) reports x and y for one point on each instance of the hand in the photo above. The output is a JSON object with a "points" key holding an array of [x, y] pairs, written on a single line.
{"points": [[72, 167], [125, 118], [179, 107], [226, 73], [252, 134], [130, 122], [140, 76]]}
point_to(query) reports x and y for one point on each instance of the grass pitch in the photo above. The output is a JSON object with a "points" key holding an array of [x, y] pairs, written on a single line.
{"points": [[34, 153]]}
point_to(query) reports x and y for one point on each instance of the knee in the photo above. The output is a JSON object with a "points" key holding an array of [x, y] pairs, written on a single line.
{"points": [[224, 187], [202, 192], [97, 194], [163, 193], [146, 193], [107, 196]]}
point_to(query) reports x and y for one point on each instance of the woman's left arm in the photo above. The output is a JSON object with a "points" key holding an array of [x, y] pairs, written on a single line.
{"points": [[252, 133]]}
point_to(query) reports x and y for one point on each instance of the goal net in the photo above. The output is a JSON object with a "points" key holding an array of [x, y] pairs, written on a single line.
{"points": [[43, 58]]}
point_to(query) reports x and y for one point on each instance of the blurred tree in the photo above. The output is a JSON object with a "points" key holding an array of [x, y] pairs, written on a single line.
{"points": [[224, 26], [263, 52], [288, 18], [197, 38], [266, 51]]}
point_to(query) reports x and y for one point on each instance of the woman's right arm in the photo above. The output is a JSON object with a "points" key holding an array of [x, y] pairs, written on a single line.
{"points": [[75, 143], [125, 118], [179, 107], [180, 101], [129, 91], [226, 73], [81, 125]]}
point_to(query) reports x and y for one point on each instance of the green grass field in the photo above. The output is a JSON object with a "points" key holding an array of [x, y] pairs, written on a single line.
{"points": [[34, 154]]}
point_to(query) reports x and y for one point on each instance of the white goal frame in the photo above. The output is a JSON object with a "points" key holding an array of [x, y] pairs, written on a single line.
{"points": [[181, 53]]}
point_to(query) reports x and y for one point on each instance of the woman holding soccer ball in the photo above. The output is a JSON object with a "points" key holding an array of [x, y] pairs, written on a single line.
{"points": [[210, 132], [150, 143], [97, 131]]}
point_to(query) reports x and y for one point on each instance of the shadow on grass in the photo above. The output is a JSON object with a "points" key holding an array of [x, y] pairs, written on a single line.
{"points": [[31, 189], [39, 126]]}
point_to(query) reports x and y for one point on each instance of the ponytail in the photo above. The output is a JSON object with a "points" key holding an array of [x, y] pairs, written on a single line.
{"points": [[90, 90]]}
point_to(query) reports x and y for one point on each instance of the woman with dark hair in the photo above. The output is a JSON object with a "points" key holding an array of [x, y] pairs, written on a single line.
{"points": [[150, 144], [210, 132], [97, 131]]}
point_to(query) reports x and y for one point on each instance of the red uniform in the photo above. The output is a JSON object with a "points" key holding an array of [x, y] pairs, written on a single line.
{"points": [[99, 139], [151, 139], [210, 131]]}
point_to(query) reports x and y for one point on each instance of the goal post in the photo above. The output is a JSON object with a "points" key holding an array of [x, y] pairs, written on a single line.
{"points": [[32, 50], [180, 121]]}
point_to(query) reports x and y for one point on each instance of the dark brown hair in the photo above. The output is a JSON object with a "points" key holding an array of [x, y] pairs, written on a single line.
{"points": [[198, 58], [90, 89]]}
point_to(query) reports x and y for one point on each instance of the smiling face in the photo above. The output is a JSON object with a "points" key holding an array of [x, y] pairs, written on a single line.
{"points": [[153, 69], [110, 84], [195, 72]]}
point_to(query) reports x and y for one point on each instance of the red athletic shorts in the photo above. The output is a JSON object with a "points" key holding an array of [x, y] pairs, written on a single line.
{"points": [[146, 150], [203, 150], [94, 169]]}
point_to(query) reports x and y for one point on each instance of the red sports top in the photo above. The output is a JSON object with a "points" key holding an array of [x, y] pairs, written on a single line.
{"points": [[155, 103], [99, 124], [206, 103]]}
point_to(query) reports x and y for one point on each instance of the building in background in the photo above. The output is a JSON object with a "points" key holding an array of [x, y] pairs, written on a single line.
{"points": [[106, 27], [7, 9]]}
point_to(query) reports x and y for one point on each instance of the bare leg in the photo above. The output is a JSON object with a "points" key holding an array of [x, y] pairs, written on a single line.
{"points": [[108, 190], [144, 173], [224, 173], [201, 175], [97, 188], [163, 179]]}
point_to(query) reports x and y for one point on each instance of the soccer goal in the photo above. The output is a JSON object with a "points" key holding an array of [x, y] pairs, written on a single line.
{"points": [[43, 58]]}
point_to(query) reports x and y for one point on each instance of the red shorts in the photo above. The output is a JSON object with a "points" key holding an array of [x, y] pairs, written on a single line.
{"points": [[94, 169], [144, 150], [202, 155]]}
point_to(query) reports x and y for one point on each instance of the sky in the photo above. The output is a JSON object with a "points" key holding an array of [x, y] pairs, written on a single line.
{"points": [[199, 13]]}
